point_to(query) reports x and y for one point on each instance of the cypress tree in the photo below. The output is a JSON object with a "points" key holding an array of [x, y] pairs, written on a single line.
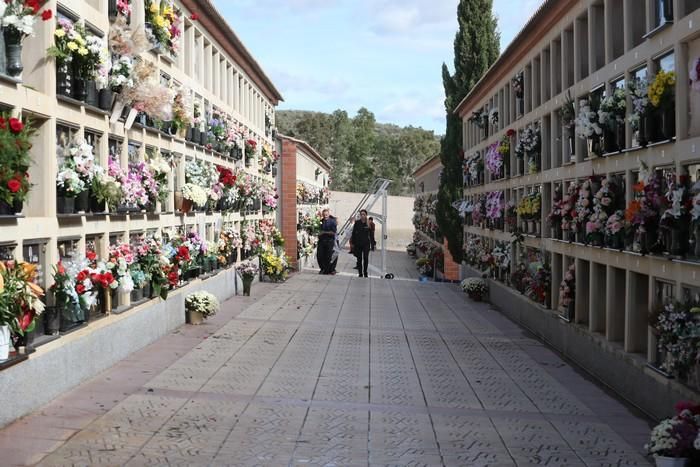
{"points": [[476, 47]]}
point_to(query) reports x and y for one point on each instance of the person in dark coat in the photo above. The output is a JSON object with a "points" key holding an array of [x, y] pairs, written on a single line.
{"points": [[372, 228], [326, 242], [361, 242]]}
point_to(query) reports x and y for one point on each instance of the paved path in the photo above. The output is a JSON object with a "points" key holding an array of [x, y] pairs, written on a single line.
{"points": [[337, 371]]}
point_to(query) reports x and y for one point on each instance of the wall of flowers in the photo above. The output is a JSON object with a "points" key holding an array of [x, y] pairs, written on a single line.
{"points": [[142, 178]]}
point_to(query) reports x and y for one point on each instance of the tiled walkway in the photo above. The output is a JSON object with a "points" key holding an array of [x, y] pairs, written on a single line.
{"points": [[339, 371]]}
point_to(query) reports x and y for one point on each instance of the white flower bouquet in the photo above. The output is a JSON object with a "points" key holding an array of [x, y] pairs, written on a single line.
{"points": [[202, 302], [194, 193], [475, 287]]}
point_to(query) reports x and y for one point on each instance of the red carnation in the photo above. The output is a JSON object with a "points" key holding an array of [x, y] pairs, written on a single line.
{"points": [[173, 277], [184, 253], [91, 255], [47, 15], [13, 185], [80, 288], [15, 125], [82, 275], [34, 5], [194, 16], [109, 277]]}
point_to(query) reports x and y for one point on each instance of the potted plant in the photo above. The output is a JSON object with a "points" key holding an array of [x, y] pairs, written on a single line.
{"points": [[20, 301], [138, 277], [18, 18], [475, 287], [65, 42], [672, 442], [248, 270], [200, 306], [518, 86]]}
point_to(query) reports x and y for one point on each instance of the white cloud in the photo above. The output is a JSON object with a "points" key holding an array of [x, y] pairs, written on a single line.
{"points": [[295, 82], [406, 17], [406, 108]]}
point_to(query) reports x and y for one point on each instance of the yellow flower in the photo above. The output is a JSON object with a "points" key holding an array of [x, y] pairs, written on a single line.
{"points": [[83, 51], [159, 20], [60, 33], [664, 81], [72, 46], [154, 8]]}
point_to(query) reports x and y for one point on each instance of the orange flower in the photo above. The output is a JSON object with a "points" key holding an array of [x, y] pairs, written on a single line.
{"points": [[638, 187], [632, 210]]}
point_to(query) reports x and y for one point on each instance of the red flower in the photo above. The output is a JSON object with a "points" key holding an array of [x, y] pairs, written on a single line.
{"points": [[194, 16], [108, 277], [91, 255], [3, 123], [34, 5], [173, 277], [184, 253], [510, 133], [80, 288], [82, 275], [26, 320], [47, 15], [60, 268], [13, 185], [15, 125]]}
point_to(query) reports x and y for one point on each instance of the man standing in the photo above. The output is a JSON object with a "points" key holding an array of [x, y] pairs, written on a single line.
{"points": [[326, 242], [373, 242], [361, 241]]}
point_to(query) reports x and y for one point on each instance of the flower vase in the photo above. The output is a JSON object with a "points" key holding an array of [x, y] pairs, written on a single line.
{"points": [[572, 145], [195, 135], [112, 10], [13, 51], [106, 99], [556, 232], [247, 282], [676, 247], [4, 342], [663, 461], [65, 205], [520, 106], [194, 317], [92, 98], [620, 138], [668, 122], [609, 143], [106, 301], [52, 321], [646, 130], [80, 91], [593, 146], [64, 80], [82, 202]]}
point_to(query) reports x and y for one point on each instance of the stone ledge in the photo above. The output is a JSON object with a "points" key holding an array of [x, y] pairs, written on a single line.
{"points": [[64, 363], [624, 373]]}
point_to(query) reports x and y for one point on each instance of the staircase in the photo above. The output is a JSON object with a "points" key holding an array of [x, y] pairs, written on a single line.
{"points": [[378, 191]]}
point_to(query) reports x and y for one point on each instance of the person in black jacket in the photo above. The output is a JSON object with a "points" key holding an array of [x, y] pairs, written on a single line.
{"points": [[361, 242], [326, 242]]}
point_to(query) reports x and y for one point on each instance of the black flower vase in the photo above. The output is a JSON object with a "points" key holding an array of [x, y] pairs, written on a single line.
{"points": [[80, 91], [106, 98], [620, 137], [63, 80], [82, 202], [188, 133], [668, 122], [13, 51], [195, 135], [92, 98], [65, 205], [96, 207]]}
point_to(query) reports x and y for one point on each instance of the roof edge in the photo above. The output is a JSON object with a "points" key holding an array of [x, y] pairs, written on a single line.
{"points": [[426, 164], [312, 152], [211, 19]]}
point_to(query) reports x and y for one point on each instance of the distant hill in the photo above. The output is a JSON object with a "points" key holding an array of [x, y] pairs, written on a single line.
{"points": [[360, 149]]}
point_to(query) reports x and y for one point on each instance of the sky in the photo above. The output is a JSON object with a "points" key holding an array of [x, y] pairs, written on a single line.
{"points": [[385, 55]]}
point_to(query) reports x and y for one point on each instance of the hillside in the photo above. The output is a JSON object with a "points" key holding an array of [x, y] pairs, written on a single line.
{"points": [[360, 149]]}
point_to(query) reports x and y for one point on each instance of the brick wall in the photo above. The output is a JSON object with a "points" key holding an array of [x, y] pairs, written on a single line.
{"points": [[288, 197], [451, 268]]}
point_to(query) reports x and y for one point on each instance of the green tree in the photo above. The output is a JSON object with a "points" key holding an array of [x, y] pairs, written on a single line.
{"points": [[359, 149], [475, 50]]}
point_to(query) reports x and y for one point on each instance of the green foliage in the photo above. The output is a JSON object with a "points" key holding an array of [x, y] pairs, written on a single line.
{"points": [[360, 149], [475, 49]]}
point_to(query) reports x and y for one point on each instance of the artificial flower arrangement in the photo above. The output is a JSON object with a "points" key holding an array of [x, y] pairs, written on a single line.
{"points": [[518, 84], [615, 229], [639, 92], [612, 110], [644, 210], [603, 208], [183, 110], [121, 257], [475, 287], [529, 146], [202, 302], [529, 206], [587, 123], [494, 205], [504, 144], [494, 159], [19, 16], [20, 297], [274, 265], [268, 194], [678, 202], [677, 327], [250, 148], [678, 437], [569, 219], [502, 255], [661, 89], [77, 170], [567, 112], [584, 203], [15, 143], [567, 288], [106, 189], [194, 193], [694, 74], [164, 25], [247, 269], [479, 118], [474, 165]]}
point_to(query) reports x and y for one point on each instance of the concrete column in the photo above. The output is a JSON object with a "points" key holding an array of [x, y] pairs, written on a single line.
{"points": [[615, 304], [582, 290], [680, 55], [597, 298]]}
